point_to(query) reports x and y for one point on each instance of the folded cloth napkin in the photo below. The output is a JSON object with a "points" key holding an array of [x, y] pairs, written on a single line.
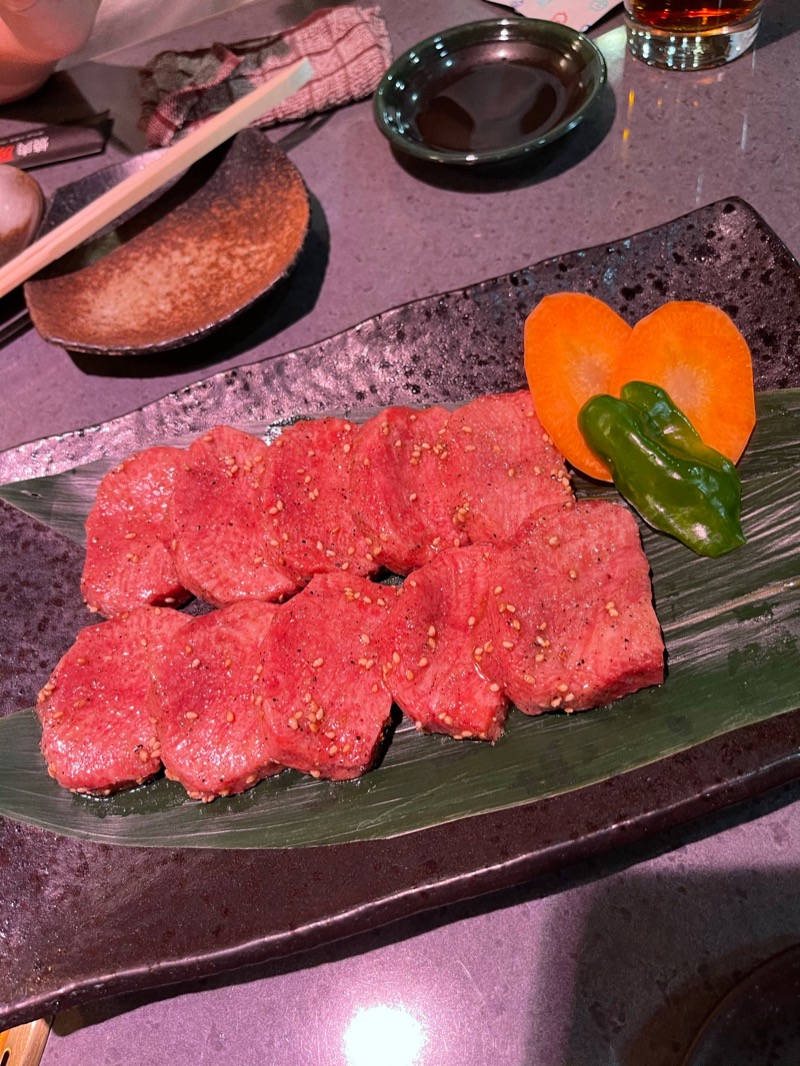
{"points": [[348, 47]]}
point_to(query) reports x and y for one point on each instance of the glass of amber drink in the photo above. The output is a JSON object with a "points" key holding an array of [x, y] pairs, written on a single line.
{"points": [[691, 34]]}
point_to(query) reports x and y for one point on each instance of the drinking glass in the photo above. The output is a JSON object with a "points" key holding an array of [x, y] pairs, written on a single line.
{"points": [[691, 34]]}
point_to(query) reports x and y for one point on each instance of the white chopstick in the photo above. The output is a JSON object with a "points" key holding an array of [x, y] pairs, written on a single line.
{"points": [[130, 191]]}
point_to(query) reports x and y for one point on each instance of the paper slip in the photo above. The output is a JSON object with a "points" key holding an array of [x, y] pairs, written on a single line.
{"points": [[579, 14]]}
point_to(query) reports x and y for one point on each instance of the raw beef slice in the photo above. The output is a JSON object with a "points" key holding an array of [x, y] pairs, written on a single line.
{"points": [[322, 686], [571, 611], [97, 734], [209, 717], [220, 543], [397, 488], [128, 561], [309, 514], [500, 465], [432, 646]]}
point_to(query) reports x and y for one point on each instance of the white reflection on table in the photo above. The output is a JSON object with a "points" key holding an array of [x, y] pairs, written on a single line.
{"points": [[655, 107], [390, 1035]]}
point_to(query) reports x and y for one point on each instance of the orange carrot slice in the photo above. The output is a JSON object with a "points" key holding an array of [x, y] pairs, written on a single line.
{"points": [[572, 347], [695, 352]]}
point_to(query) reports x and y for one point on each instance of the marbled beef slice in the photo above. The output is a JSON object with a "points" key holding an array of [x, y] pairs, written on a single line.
{"points": [[97, 734], [571, 610], [500, 466], [398, 487], [432, 647], [221, 543], [309, 515], [326, 702], [208, 715], [128, 562]]}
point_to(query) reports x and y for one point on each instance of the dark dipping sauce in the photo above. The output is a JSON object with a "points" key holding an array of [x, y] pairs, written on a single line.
{"points": [[488, 101]]}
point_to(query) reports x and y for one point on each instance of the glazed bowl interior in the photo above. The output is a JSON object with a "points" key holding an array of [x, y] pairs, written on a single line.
{"points": [[185, 264], [489, 91]]}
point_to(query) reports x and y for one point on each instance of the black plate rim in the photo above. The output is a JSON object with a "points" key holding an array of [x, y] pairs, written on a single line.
{"points": [[401, 904]]}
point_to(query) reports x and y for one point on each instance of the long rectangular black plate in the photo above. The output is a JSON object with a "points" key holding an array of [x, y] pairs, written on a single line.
{"points": [[82, 920]]}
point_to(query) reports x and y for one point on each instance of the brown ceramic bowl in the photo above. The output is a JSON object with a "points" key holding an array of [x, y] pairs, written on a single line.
{"points": [[174, 273]]}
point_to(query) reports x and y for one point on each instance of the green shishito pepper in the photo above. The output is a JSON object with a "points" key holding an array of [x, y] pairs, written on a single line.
{"points": [[662, 467]]}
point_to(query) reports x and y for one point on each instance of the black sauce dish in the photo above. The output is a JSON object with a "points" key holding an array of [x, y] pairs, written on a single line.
{"points": [[489, 92]]}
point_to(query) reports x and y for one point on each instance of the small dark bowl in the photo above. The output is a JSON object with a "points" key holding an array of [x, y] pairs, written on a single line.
{"points": [[489, 92]]}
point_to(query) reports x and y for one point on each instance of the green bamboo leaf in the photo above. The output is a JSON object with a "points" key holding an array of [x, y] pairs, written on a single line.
{"points": [[732, 630]]}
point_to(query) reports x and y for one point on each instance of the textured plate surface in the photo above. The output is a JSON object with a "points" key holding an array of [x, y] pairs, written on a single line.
{"points": [[143, 929], [185, 264]]}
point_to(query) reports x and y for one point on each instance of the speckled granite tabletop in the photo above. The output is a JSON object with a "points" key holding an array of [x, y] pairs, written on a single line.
{"points": [[616, 960]]}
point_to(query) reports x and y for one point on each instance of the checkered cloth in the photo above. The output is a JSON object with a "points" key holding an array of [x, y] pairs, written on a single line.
{"points": [[348, 47]]}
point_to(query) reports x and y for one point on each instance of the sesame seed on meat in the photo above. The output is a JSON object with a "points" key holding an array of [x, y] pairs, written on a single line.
{"points": [[315, 673]]}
